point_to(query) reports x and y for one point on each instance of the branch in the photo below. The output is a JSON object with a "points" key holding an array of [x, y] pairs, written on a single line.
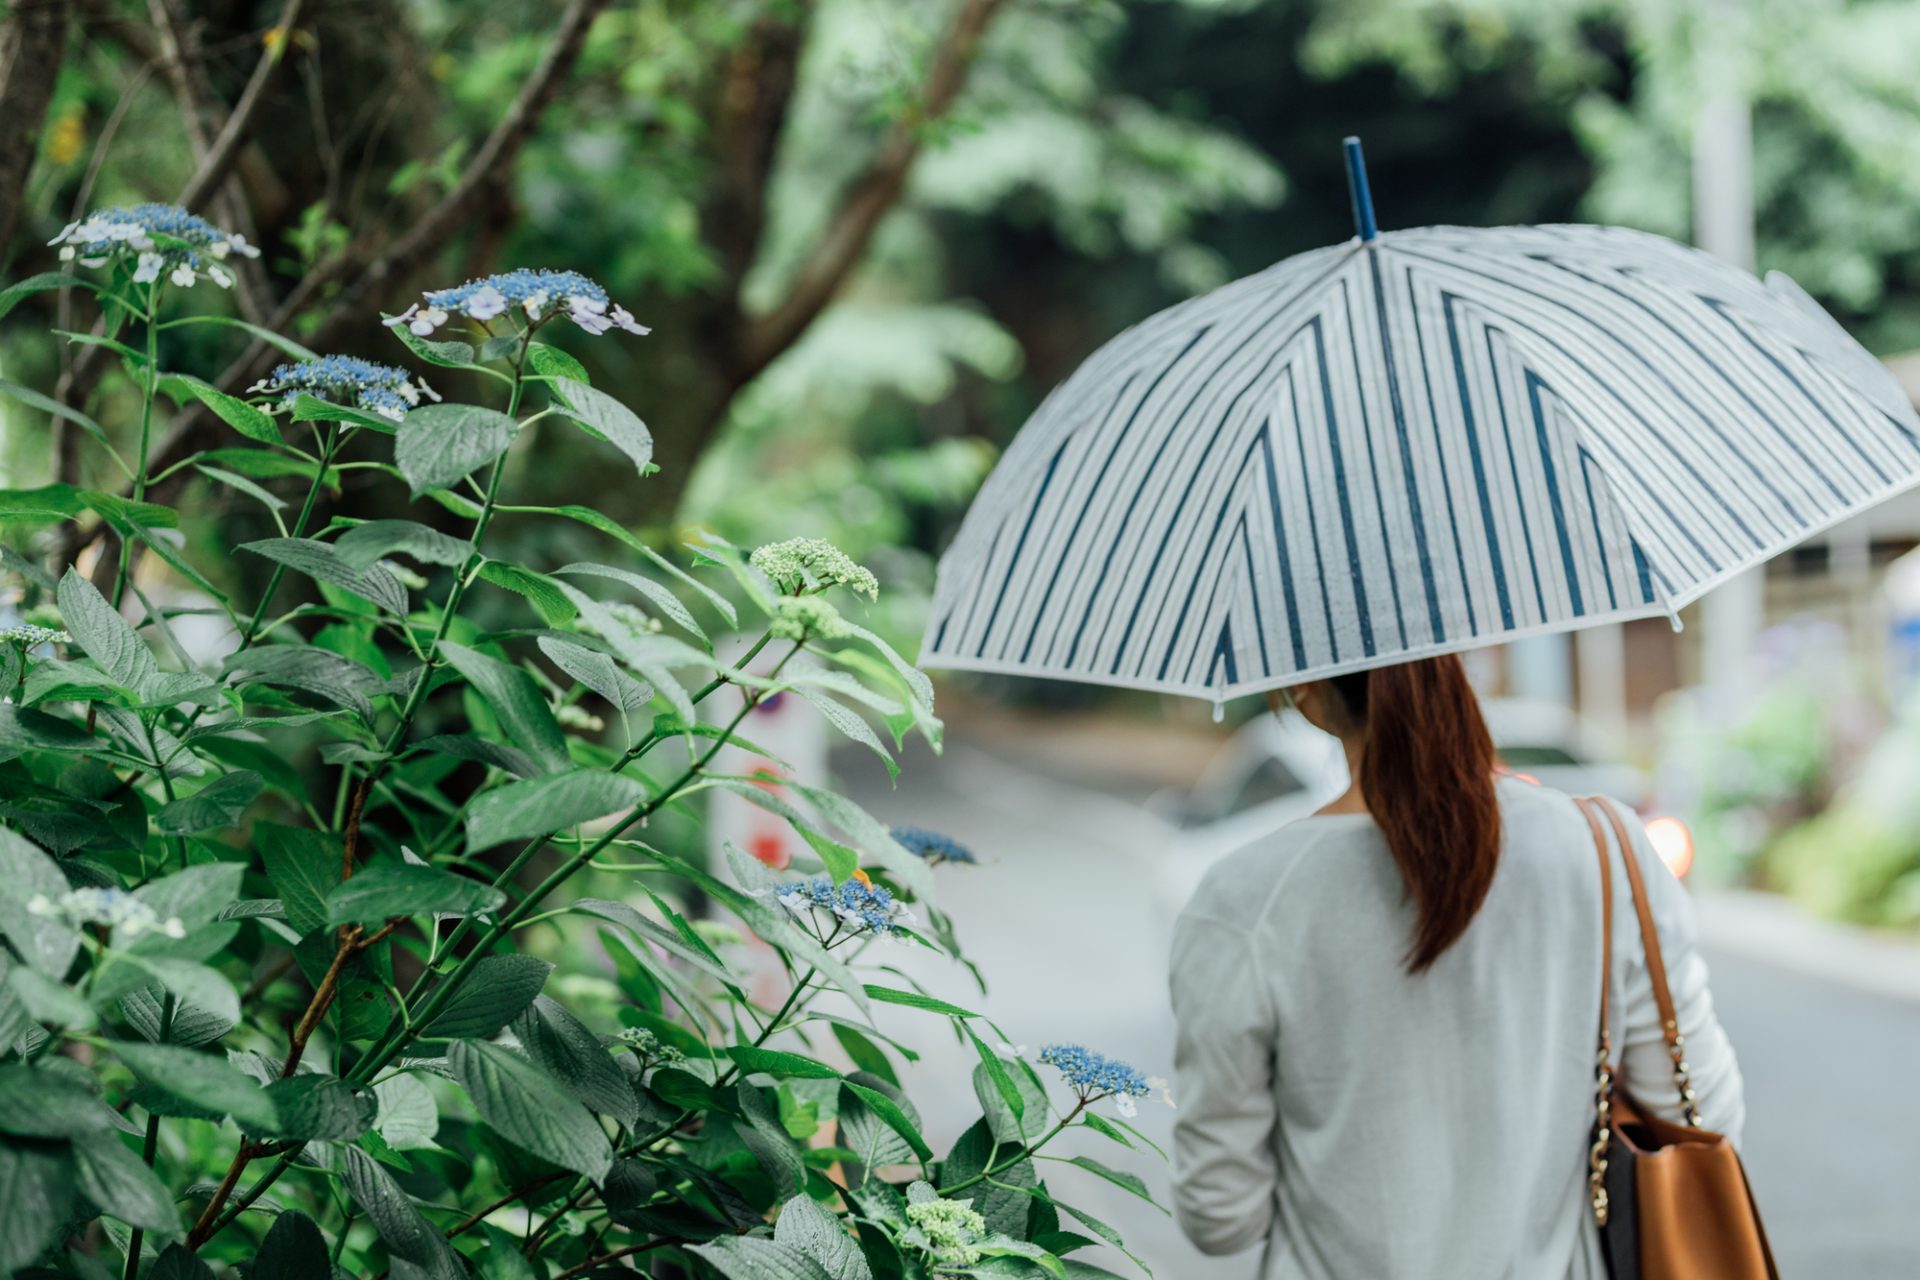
{"points": [[31, 45], [750, 112], [870, 197], [221, 153], [369, 273]]}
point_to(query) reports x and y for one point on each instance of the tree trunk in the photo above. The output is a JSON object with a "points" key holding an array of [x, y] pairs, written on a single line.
{"points": [[32, 41]]}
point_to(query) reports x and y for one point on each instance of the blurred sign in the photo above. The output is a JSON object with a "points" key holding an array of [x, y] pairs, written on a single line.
{"points": [[794, 739], [1903, 624]]}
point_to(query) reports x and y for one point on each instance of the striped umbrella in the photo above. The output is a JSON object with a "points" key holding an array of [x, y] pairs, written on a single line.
{"points": [[1413, 443]]}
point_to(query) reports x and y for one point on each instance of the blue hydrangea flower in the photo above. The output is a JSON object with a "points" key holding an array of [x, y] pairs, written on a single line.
{"points": [[119, 910], [1095, 1076], [535, 293], [349, 380], [931, 846], [159, 237], [855, 905]]}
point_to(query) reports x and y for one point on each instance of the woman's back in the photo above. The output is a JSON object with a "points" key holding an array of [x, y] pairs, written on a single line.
{"points": [[1371, 1122]]}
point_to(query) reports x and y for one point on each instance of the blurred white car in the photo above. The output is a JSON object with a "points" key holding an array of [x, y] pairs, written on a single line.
{"points": [[1277, 769]]}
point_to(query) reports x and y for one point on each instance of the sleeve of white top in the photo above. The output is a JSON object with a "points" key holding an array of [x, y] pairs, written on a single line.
{"points": [[1718, 1091], [1223, 1151]]}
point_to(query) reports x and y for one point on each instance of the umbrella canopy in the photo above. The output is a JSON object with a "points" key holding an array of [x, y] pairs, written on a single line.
{"points": [[1414, 443]]}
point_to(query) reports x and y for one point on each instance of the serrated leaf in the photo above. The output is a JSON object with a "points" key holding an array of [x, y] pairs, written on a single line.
{"points": [[196, 984], [1003, 1101], [47, 942], [14, 294], [103, 634], [469, 746], [220, 803], [407, 1117], [497, 991], [914, 1000], [1131, 1182], [598, 672], [776, 1062], [448, 354], [303, 865], [564, 1047], [850, 724], [537, 588], [626, 645], [37, 1188], [438, 445], [612, 421], [753, 1258], [204, 1080], [805, 1226], [516, 699], [408, 1235], [316, 1107], [364, 544], [122, 1186], [320, 672], [308, 407], [530, 1108], [293, 1249], [660, 597], [48, 405], [767, 1139], [249, 420], [40, 1103], [550, 362], [390, 889], [192, 1026], [542, 806], [889, 1113], [319, 561]]}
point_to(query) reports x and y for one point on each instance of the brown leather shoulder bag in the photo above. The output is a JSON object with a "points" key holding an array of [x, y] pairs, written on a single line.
{"points": [[1671, 1200]]}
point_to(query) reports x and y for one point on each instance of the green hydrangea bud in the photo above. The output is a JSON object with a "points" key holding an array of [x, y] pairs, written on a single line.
{"points": [[802, 566], [808, 618]]}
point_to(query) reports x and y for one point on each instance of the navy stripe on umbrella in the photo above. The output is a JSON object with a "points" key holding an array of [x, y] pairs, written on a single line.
{"points": [[1416, 442]]}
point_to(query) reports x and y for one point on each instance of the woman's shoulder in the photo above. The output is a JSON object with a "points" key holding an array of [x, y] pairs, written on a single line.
{"points": [[1242, 888]]}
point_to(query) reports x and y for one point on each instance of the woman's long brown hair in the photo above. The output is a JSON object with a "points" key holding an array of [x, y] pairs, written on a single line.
{"points": [[1427, 775]]}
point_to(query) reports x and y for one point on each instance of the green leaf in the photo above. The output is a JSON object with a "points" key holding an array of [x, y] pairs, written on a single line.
{"points": [[607, 418], [540, 591], [36, 1186], [753, 1258], [46, 942], [541, 806], [294, 1249], [408, 1235], [311, 408], [468, 746], [914, 1000], [304, 866], [103, 634], [805, 1226], [196, 895], [530, 1108], [248, 420], [408, 1117], [775, 1062], [548, 362], [448, 355], [204, 1080], [438, 445], [23, 729], [193, 1026], [322, 563], [1000, 1098], [631, 651], [14, 294], [866, 1055], [122, 1186], [1118, 1177], [194, 983], [39, 1103], [390, 889], [279, 341], [563, 1046], [598, 672], [318, 1107], [516, 699], [220, 803], [241, 484], [496, 992], [657, 595], [362, 545], [48, 405], [890, 1114], [318, 672], [850, 724], [767, 1138]]}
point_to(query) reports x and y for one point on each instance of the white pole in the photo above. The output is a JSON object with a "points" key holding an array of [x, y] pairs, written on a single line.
{"points": [[1733, 614]]}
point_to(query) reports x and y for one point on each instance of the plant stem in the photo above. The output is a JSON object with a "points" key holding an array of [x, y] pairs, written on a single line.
{"points": [[152, 1147], [148, 390], [335, 438], [438, 997], [1017, 1157]]}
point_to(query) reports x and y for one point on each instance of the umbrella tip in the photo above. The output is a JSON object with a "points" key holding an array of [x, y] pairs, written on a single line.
{"points": [[1359, 193]]}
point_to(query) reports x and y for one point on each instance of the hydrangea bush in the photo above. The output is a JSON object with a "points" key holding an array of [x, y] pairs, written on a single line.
{"points": [[272, 997]]}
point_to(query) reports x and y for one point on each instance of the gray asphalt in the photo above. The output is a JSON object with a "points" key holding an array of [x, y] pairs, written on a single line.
{"points": [[1068, 919]]}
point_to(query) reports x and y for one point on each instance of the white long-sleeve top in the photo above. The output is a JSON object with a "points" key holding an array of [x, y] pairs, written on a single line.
{"points": [[1364, 1123]]}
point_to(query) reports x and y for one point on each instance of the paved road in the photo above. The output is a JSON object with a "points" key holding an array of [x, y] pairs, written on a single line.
{"points": [[1069, 923]]}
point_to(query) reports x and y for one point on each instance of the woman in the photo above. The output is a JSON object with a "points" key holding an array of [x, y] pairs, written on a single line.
{"points": [[1387, 1011]]}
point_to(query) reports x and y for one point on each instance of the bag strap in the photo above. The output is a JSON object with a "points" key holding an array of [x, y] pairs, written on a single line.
{"points": [[1603, 1054], [1656, 967]]}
